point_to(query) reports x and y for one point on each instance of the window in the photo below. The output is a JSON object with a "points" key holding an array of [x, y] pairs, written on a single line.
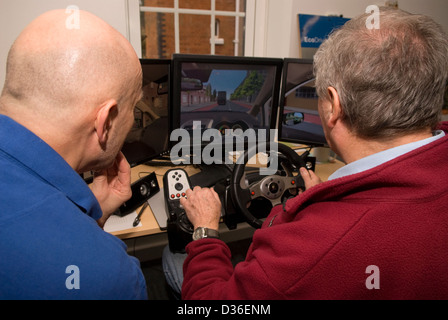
{"points": [[186, 26]]}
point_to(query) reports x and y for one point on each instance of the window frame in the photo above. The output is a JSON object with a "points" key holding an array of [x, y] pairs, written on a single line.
{"points": [[177, 11]]}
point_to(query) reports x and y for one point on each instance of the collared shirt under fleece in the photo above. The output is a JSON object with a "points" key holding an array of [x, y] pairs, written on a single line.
{"points": [[51, 246]]}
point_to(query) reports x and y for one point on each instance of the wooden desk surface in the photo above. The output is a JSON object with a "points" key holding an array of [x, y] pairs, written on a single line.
{"points": [[149, 223]]}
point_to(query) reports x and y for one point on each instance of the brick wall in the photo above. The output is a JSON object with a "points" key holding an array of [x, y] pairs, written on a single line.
{"points": [[158, 30]]}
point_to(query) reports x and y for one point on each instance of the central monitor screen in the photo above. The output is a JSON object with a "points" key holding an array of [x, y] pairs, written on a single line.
{"points": [[149, 136], [225, 93], [299, 120]]}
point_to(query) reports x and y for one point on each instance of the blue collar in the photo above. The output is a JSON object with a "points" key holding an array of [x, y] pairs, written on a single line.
{"points": [[39, 159], [379, 158]]}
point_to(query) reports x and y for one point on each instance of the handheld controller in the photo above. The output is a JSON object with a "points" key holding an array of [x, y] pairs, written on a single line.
{"points": [[142, 190], [176, 182]]}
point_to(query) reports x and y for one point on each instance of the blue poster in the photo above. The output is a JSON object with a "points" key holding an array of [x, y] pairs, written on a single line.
{"points": [[315, 29]]}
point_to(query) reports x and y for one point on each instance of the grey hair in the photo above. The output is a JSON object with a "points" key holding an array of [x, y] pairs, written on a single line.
{"points": [[390, 80]]}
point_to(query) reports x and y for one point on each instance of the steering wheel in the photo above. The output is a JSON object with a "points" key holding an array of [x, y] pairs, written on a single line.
{"points": [[270, 187]]}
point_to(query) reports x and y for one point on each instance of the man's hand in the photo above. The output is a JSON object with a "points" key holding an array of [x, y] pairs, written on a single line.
{"points": [[112, 187], [310, 178], [203, 208]]}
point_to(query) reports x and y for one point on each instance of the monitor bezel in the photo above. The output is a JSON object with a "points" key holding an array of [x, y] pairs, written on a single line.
{"points": [[166, 151], [179, 59], [282, 99]]}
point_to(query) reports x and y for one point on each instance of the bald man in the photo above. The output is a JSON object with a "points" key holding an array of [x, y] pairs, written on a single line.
{"points": [[66, 108]]}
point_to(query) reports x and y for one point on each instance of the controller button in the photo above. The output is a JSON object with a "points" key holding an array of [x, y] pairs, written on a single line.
{"points": [[179, 186]]}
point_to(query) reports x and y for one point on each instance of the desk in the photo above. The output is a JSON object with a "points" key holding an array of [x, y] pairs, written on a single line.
{"points": [[148, 221]]}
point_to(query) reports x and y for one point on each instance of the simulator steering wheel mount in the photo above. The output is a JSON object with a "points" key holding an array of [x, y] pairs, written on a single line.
{"points": [[269, 187]]}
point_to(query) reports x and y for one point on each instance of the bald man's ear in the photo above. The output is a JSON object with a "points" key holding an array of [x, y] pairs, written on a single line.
{"points": [[104, 119]]}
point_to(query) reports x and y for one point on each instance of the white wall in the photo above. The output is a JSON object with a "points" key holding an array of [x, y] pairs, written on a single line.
{"points": [[281, 37], [15, 15], [271, 26]]}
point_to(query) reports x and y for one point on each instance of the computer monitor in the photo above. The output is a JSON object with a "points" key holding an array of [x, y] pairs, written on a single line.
{"points": [[299, 120], [225, 93], [149, 137]]}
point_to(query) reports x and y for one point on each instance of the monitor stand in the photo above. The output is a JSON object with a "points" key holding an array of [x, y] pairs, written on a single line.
{"points": [[210, 175]]}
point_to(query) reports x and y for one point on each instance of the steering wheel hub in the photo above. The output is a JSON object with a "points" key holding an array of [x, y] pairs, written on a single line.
{"points": [[271, 187]]}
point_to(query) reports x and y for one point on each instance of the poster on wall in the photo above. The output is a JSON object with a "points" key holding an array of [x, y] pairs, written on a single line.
{"points": [[314, 29]]}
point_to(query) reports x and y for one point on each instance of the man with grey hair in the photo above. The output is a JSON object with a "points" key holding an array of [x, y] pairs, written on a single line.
{"points": [[378, 229], [66, 108]]}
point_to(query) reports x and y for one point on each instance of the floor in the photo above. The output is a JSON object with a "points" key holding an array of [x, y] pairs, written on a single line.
{"points": [[153, 272]]}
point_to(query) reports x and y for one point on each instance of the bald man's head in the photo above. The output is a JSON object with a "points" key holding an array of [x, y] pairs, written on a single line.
{"points": [[74, 88], [52, 67]]}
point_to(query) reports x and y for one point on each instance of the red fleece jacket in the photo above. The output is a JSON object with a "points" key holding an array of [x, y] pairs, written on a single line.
{"points": [[393, 217]]}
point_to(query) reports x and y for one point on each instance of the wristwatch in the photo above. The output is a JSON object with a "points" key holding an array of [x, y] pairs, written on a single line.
{"points": [[201, 233]]}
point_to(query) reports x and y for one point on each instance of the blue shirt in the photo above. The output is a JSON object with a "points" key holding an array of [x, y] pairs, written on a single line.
{"points": [[376, 159], [51, 246]]}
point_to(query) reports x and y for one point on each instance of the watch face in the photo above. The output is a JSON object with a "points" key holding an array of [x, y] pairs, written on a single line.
{"points": [[198, 234]]}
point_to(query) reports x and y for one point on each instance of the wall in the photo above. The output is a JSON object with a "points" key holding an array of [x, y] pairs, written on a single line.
{"points": [[271, 28], [281, 35], [15, 15]]}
